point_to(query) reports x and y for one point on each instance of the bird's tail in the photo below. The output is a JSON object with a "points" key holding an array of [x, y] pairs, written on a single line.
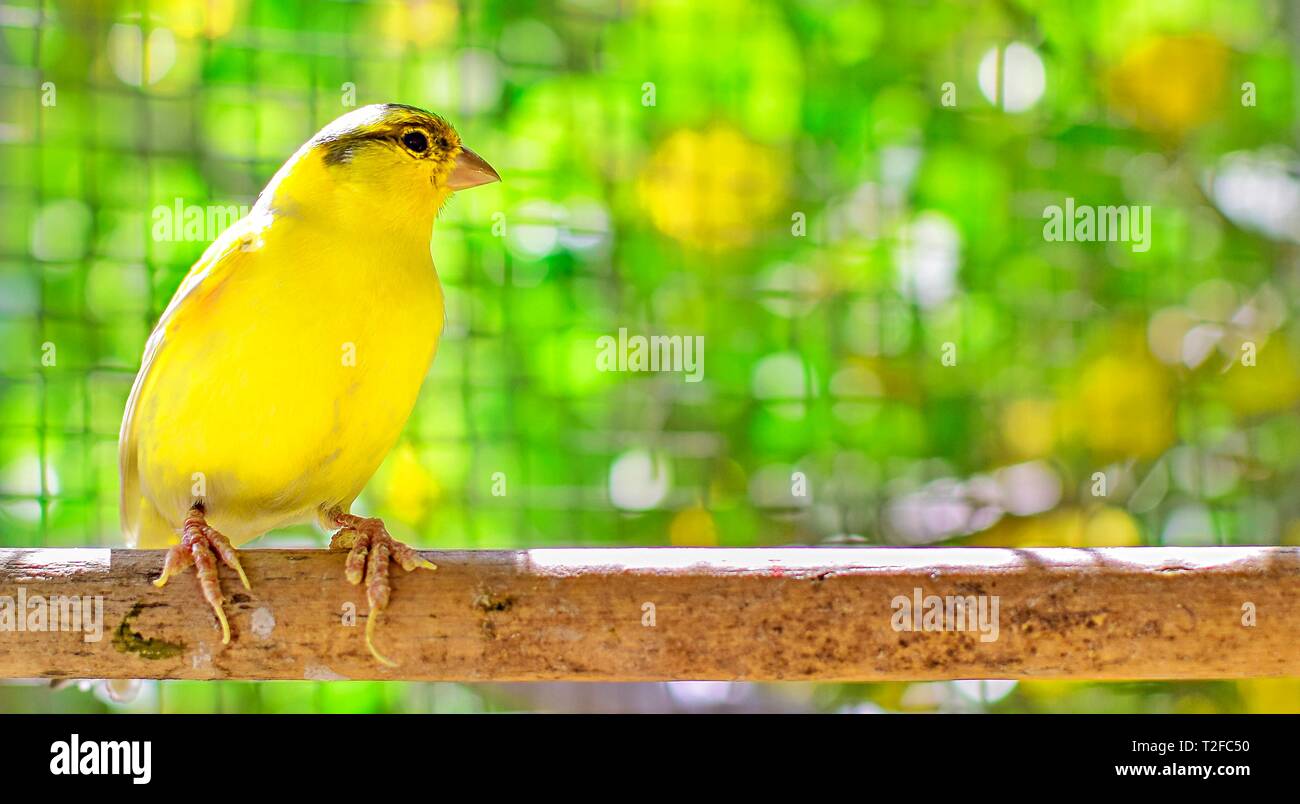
{"points": [[145, 528]]}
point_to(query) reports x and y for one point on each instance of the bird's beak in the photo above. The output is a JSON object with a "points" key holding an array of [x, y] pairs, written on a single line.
{"points": [[470, 171]]}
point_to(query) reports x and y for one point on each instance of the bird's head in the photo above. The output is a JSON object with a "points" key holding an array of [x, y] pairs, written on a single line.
{"points": [[386, 154]]}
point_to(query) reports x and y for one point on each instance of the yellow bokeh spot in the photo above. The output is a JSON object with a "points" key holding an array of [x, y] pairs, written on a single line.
{"points": [[1029, 428], [1170, 84], [419, 22], [1122, 405], [1068, 527], [712, 189], [409, 489], [1276, 696], [693, 527], [1111, 527], [189, 19], [1272, 384], [1051, 693]]}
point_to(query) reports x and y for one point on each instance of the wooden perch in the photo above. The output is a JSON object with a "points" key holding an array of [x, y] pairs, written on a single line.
{"points": [[672, 613]]}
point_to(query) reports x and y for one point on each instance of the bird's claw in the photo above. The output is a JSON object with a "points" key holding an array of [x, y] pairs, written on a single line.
{"points": [[371, 548], [201, 545]]}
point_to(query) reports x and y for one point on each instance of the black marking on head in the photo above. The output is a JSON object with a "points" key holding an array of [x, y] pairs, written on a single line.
{"points": [[394, 122], [339, 150]]}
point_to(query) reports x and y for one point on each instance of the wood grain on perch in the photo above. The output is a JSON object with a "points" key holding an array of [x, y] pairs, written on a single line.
{"points": [[673, 613]]}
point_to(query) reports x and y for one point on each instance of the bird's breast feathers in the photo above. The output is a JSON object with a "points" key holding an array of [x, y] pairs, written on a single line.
{"points": [[284, 375]]}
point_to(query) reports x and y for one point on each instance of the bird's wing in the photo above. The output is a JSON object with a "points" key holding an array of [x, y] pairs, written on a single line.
{"points": [[142, 525]]}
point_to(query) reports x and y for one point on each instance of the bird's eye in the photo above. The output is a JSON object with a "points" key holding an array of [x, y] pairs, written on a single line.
{"points": [[415, 141]]}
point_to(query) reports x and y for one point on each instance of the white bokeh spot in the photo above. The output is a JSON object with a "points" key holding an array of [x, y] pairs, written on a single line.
{"points": [[1023, 77]]}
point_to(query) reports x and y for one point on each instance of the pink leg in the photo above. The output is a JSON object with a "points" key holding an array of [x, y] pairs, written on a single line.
{"points": [[201, 545], [371, 547]]}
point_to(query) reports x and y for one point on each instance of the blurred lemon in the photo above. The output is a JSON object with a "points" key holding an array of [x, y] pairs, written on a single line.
{"points": [[1029, 428], [711, 189], [1170, 84], [1122, 405], [1272, 384], [693, 527]]}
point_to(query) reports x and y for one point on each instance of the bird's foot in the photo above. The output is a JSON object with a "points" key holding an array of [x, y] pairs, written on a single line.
{"points": [[371, 548], [199, 542]]}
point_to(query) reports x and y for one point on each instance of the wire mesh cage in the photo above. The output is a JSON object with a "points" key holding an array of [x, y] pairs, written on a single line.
{"points": [[840, 217]]}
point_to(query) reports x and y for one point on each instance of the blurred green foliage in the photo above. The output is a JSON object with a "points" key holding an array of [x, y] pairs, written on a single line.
{"points": [[835, 195]]}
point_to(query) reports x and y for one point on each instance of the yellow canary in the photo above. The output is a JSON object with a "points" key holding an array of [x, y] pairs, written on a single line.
{"points": [[287, 363]]}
